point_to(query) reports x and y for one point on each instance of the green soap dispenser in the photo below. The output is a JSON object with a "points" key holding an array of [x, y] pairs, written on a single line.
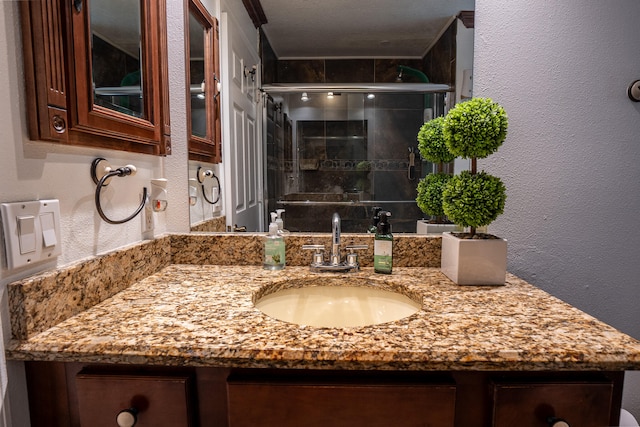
{"points": [[274, 247], [373, 228], [383, 245]]}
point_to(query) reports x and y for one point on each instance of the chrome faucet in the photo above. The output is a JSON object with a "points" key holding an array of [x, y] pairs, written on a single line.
{"points": [[335, 262], [335, 239]]}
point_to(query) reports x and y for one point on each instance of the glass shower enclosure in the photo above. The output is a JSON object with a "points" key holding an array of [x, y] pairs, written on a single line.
{"points": [[347, 149]]}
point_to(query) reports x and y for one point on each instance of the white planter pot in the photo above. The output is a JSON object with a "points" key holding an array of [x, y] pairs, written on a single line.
{"points": [[424, 227], [474, 261]]}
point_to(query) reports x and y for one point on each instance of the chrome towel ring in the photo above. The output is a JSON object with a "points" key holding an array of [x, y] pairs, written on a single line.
{"points": [[202, 175], [101, 172]]}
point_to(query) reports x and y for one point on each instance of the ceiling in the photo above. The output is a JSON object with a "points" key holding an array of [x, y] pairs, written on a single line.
{"points": [[357, 28]]}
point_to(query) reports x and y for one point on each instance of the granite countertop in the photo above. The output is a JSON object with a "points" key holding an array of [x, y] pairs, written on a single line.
{"points": [[203, 315]]}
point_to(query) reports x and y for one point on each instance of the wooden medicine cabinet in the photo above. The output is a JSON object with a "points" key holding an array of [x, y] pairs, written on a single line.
{"points": [[96, 73], [203, 79]]}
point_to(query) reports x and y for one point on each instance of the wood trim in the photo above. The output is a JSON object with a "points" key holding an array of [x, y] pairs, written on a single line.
{"points": [[467, 17], [44, 70], [255, 11], [165, 116], [48, 394], [217, 109], [89, 118], [54, 55]]}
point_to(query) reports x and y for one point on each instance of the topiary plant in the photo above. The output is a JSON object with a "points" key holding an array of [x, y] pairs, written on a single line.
{"points": [[473, 200], [432, 144], [429, 198], [432, 147], [474, 129]]}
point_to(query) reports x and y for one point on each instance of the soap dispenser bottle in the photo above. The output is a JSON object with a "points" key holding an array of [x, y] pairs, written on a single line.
{"points": [[280, 222], [383, 245], [274, 247], [373, 228]]}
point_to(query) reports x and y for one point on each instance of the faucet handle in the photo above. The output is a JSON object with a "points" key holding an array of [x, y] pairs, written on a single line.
{"points": [[313, 247], [352, 257], [318, 255]]}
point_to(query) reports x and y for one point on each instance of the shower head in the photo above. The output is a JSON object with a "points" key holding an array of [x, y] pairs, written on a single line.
{"points": [[413, 74]]}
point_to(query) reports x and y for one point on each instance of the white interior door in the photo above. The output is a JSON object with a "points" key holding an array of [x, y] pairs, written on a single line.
{"points": [[243, 153]]}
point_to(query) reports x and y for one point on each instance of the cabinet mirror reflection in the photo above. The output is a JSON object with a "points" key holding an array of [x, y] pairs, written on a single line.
{"points": [[117, 57], [202, 71], [339, 134]]}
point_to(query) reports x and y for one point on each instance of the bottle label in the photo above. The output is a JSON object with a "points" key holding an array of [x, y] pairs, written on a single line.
{"points": [[274, 252], [383, 255]]}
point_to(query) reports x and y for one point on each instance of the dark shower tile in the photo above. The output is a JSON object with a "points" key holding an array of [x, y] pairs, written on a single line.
{"points": [[301, 71], [394, 185], [395, 132], [349, 70]]}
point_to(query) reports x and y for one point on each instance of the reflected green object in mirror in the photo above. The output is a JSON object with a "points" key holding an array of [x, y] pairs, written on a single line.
{"points": [[431, 142]]}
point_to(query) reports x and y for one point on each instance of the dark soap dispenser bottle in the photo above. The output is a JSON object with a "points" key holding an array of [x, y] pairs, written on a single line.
{"points": [[373, 228], [383, 245]]}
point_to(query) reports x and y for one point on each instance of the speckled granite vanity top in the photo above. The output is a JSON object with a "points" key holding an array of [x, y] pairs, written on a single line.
{"points": [[203, 315]]}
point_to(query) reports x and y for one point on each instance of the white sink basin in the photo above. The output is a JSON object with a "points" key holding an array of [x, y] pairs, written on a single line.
{"points": [[337, 302]]}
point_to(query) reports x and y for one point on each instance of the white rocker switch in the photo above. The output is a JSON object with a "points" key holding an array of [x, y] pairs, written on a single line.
{"points": [[48, 230], [31, 231], [27, 234]]}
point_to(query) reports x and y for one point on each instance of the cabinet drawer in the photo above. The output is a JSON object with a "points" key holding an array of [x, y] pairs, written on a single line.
{"points": [[337, 404], [158, 400], [583, 404]]}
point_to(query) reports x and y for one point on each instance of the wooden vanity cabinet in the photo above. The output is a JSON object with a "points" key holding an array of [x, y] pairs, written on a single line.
{"points": [[365, 400], [74, 395], [154, 400], [85, 88], [79, 395], [533, 404]]}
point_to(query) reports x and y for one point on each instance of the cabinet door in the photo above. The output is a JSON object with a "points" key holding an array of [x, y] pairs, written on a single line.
{"points": [[582, 404], [335, 404], [96, 73], [157, 400]]}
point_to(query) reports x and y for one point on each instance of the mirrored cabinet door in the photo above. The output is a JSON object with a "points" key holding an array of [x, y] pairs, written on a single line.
{"points": [[96, 73], [202, 78]]}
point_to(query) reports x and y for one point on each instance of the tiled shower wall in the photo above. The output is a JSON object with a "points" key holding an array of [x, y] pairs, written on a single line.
{"points": [[438, 64]]}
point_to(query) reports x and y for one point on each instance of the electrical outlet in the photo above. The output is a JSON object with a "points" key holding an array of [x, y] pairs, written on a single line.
{"points": [[147, 218]]}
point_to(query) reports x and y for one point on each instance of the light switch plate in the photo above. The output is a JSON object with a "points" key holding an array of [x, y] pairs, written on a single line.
{"points": [[46, 228]]}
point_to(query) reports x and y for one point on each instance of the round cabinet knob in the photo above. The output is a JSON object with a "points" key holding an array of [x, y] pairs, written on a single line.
{"points": [[58, 124], [127, 417], [557, 422]]}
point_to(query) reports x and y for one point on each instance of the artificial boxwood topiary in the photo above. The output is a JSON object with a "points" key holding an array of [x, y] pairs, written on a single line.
{"points": [[429, 198], [473, 200], [475, 128], [432, 144]]}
